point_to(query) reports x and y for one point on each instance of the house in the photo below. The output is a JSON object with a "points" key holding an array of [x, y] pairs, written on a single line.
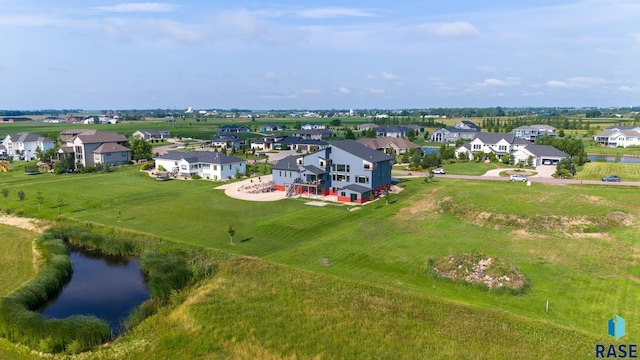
{"points": [[227, 141], [533, 132], [365, 127], [346, 169], [315, 134], [207, 164], [393, 131], [102, 119], [26, 145], [232, 129], [266, 143], [467, 125], [83, 144], [296, 143], [313, 127], [497, 143], [619, 136], [111, 154], [389, 145], [539, 155], [271, 127], [151, 134], [417, 129], [11, 119], [452, 134]]}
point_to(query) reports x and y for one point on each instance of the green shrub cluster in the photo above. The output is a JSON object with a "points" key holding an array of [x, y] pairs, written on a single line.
{"points": [[20, 323], [164, 273]]}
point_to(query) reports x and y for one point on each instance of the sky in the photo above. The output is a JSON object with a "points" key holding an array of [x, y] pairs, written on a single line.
{"points": [[349, 54]]}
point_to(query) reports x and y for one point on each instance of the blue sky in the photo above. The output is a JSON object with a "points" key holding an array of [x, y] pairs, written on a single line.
{"points": [[103, 54]]}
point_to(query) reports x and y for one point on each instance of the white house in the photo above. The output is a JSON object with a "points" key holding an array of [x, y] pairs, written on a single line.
{"points": [[151, 134], [533, 132], [206, 164], [25, 145], [619, 136], [498, 143], [539, 155], [313, 127]]}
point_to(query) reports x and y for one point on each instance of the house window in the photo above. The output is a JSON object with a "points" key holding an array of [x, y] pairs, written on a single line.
{"points": [[229, 166], [342, 167], [96, 157], [502, 148], [321, 163], [215, 167], [477, 146], [79, 149], [342, 193], [108, 154], [206, 166], [340, 177], [183, 167], [362, 179]]}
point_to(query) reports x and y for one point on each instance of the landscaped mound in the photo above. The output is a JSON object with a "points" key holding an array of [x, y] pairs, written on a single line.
{"points": [[476, 268]]}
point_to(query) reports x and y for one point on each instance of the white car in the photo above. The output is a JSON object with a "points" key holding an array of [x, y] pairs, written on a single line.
{"points": [[518, 177], [438, 171]]}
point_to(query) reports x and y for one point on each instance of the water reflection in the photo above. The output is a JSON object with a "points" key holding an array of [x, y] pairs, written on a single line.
{"points": [[108, 287]]}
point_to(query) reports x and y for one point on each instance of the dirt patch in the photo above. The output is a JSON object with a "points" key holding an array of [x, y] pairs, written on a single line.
{"points": [[564, 224], [427, 203], [34, 225], [477, 268]]}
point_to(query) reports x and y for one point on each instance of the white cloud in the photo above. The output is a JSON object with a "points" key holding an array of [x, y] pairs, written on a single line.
{"points": [[577, 82], [333, 12], [389, 76], [458, 29], [344, 90], [246, 25], [376, 91], [139, 7], [629, 89], [510, 81]]}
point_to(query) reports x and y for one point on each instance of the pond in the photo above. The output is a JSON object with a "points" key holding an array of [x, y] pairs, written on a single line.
{"points": [[610, 158], [108, 287]]}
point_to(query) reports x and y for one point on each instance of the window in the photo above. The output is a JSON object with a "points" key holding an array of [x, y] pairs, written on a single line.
{"points": [[96, 157], [477, 146], [362, 179], [124, 154], [183, 167], [79, 149], [367, 166], [215, 167], [206, 166], [340, 177], [342, 193], [108, 154], [229, 166], [342, 167], [502, 148]]}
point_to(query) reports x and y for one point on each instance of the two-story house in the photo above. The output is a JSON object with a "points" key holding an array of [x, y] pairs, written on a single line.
{"points": [[91, 147], [346, 169], [227, 141], [392, 131], [314, 134], [497, 143], [533, 132], [25, 146], [151, 134], [232, 129], [619, 136]]}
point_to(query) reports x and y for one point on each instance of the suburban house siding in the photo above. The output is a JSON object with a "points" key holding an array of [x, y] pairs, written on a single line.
{"points": [[26, 145], [346, 169]]}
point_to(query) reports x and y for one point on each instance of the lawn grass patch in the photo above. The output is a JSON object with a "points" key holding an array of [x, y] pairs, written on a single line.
{"points": [[597, 170], [468, 168]]}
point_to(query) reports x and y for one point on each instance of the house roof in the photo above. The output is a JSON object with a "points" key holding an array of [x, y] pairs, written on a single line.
{"points": [[454, 129], [102, 137], [494, 138], [355, 148], [382, 142], [225, 138], [291, 140], [288, 163], [110, 148], [536, 127], [209, 157], [154, 132], [394, 129], [545, 150], [313, 132], [357, 188], [314, 170], [28, 137]]}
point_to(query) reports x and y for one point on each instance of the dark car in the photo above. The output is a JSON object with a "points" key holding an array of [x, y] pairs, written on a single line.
{"points": [[614, 178]]}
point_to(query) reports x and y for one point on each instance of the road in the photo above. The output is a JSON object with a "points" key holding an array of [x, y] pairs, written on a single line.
{"points": [[543, 177]]}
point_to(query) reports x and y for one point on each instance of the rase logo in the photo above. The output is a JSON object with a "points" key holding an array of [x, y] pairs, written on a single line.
{"points": [[616, 328]]}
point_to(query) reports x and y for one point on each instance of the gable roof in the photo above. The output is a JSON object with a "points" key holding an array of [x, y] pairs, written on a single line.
{"points": [[545, 150], [379, 143], [288, 163], [101, 137], [494, 138], [355, 148], [454, 129], [25, 137], [110, 148], [291, 140], [208, 157]]}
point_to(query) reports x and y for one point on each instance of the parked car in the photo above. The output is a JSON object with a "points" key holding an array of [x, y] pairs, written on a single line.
{"points": [[546, 162], [438, 171], [614, 178], [518, 177]]}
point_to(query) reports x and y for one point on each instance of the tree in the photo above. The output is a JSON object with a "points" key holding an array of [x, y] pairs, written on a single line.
{"points": [[335, 122], [58, 203], [561, 133], [349, 134], [297, 125], [65, 165], [231, 231], [370, 133], [39, 199], [140, 149], [21, 195], [411, 135]]}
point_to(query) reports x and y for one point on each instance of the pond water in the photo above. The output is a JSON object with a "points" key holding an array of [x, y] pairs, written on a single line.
{"points": [[608, 158], [108, 287]]}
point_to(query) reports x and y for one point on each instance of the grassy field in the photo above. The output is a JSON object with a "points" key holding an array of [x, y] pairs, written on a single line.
{"points": [[329, 283], [597, 170]]}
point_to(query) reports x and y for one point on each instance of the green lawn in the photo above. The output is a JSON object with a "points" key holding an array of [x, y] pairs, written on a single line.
{"points": [[370, 264], [598, 170]]}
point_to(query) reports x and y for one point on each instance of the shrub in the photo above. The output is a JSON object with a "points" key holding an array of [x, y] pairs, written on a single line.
{"points": [[196, 177], [165, 273], [149, 165]]}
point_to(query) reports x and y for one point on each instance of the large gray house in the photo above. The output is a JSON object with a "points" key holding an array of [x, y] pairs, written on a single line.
{"points": [[346, 169]]}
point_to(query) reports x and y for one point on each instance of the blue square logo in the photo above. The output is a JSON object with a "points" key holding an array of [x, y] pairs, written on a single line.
{"points": [[616, 327]]}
